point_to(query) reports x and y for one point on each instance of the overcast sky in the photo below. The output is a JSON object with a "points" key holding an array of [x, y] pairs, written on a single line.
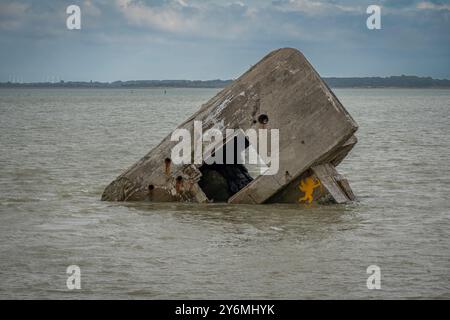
{"points": [[200, 39]]}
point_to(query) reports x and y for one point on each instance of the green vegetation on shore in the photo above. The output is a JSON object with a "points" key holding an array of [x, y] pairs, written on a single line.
{"points": [[354, 82]]}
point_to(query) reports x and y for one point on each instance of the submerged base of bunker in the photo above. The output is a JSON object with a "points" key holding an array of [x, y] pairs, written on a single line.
{"points": [[282, 91]]}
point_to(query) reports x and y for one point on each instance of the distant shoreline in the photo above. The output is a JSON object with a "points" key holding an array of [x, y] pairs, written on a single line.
{"points": [[397, 82], [168, 88]]}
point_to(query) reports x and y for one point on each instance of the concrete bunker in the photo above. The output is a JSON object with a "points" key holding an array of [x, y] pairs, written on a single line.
{"points": [[283, 92]]}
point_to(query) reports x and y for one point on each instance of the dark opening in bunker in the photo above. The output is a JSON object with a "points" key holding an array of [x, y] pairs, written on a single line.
{"points": [[220, 181]]}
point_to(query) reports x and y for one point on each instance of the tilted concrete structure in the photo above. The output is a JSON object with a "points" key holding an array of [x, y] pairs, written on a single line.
{"points": [[282, 91]]}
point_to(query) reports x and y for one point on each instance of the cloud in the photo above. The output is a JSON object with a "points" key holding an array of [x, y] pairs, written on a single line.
{"points": [[91, 9], [237, 21], [13, 9], [194, 19], [169, 17], [12, 14], [315, 7], [426, 5], [227, 33]]}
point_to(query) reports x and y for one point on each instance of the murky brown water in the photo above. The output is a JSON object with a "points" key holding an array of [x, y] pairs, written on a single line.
{"points": [[60, 148]]}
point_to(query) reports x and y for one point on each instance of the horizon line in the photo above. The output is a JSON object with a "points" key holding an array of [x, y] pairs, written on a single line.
{"points": [[59, 80]]}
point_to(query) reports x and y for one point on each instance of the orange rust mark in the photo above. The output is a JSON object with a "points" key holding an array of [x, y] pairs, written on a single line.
{"points": [[167, 163], [179, 184]]}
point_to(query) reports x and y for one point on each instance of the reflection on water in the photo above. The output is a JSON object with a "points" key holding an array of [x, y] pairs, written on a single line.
{"points": [[60, 148]]}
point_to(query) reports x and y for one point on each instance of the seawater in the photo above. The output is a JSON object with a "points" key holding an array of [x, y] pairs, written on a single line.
{"points": [[61, 147]]}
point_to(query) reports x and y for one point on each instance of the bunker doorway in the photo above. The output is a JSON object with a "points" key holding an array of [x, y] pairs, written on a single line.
{"points": [[222, 179]]}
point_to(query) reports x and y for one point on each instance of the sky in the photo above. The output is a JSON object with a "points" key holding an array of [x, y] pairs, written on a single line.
{"points": [[218, 39]]}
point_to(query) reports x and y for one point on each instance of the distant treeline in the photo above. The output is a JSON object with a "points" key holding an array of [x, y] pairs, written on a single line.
{"points": [[388, 82], [365, 82], [123, 84]]}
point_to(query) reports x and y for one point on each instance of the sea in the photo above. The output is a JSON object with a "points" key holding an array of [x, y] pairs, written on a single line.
{"points": [[59, 149]]}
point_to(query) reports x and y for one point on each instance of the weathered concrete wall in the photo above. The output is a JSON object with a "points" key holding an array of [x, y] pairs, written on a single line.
{"points": [[320, 184], [313, 126]]}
